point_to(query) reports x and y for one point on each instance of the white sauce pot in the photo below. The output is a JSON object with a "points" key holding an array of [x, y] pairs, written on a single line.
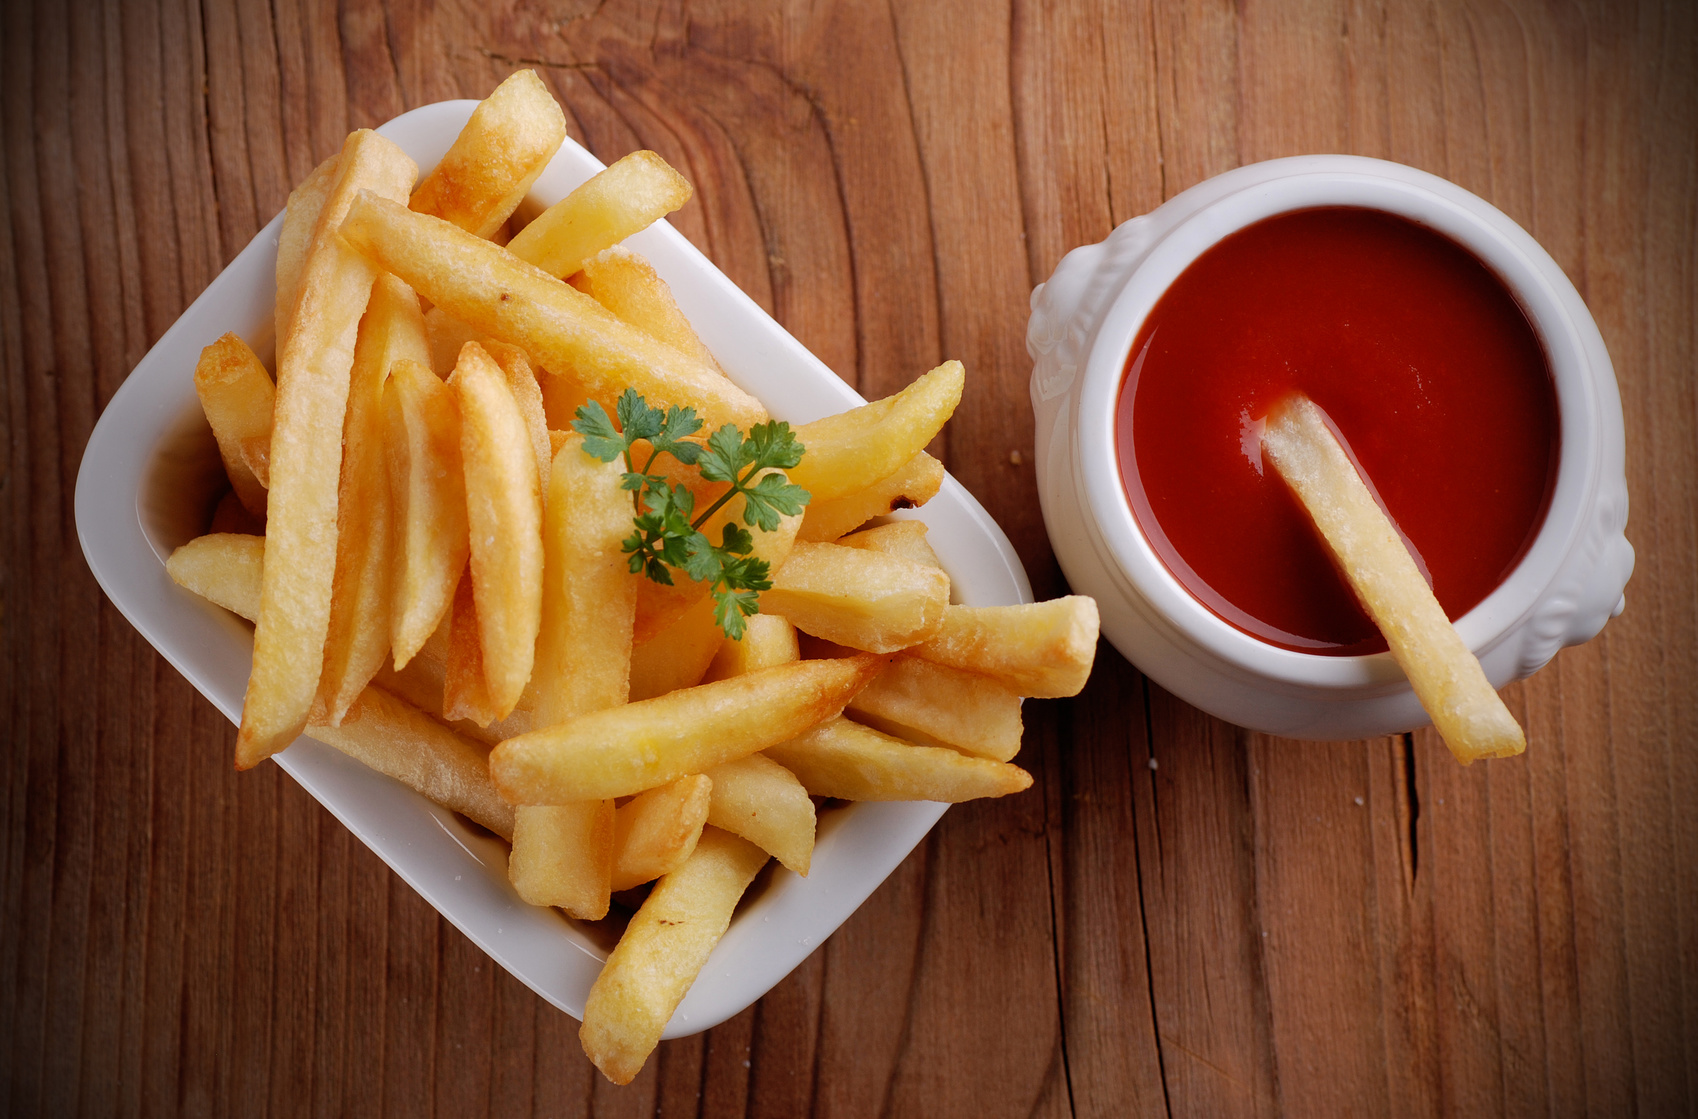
{"points": [[1084, 321]]}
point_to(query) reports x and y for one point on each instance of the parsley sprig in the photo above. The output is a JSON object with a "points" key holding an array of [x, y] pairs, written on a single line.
{"points": [[667, 533]]}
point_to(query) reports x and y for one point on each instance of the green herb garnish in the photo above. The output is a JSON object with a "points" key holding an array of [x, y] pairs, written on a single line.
{"points": [[667, 531]]}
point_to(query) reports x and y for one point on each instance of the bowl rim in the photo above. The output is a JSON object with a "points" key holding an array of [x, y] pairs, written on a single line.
{"points": [[456, 867], [1511, 254]]}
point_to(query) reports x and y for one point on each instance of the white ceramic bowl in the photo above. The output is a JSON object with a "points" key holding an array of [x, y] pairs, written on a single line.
{"points": [[1084, 321], [146, 479]]}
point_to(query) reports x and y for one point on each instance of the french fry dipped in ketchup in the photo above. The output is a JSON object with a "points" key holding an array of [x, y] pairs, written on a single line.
{"points": [[1447, 678]]}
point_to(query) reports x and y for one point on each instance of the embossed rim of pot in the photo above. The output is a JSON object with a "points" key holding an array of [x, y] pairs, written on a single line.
{"points": [[1084, 320]]}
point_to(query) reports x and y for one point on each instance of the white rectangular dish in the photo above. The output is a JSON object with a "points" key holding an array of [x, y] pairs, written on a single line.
{"points": [[145, 486]]}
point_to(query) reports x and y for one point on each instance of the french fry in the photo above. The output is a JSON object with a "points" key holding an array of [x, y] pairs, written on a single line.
{"points": [[842, 758], [1446, 676], [1038, 649], [678, 655], [626, 284], [626, 198], [564, 846], [563, 856], [465, 688], [630, 749], [423, 681], [224, 568], [898, 538], [238, 398], [510, 138], [362, 590], [428, 488], [760, 800], [664, 948], [306, 444], [495, 292], [395, 738], [767, 640], [504, 513], [561, 398], [589, 594], [754, 797], [910, 487], [527, 394], [852, 450], [448, 336], [300, 219], [654, 833], [931, 705], [857, 597]]}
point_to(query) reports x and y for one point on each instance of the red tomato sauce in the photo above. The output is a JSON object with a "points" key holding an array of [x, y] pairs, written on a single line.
{"points": [[1425, 363]]}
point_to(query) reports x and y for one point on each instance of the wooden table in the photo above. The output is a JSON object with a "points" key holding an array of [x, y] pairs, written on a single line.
{"points": [[1180, 916]]}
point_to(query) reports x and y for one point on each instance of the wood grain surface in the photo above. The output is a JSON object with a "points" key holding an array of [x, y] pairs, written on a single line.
{"points": [[1181, 917]]}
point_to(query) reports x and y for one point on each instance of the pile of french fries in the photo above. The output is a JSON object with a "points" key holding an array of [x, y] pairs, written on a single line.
{"points": [[438, 577]]}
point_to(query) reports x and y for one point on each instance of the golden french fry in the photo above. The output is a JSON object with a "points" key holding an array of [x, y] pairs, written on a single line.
{"points": [[424, 684], [237, 396], [898, 538], [306, 456], [1446, 676], [395, 738], [519, 722], [448, 336], [753, 797], [857, 597], [362, 590], [931, 705], [626, 198], [465, 688], [563, 856], [504, 513], [589, 594], [423, 681], [493, 291], [664, 948], [222, 567], [842, 758], [626, 284], [510, 138], [760, 800], [853, 450], [300, 220], [630, 749], [678, 655], [582, 665], [767, 640], [910, 487], [527, 394], [562, 396], [654, 833], [428, 488], [1039, 649]]}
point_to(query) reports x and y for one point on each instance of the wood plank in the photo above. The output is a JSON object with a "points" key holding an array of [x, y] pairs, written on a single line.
{"points": [[1114, 1057], [1191, 807]]}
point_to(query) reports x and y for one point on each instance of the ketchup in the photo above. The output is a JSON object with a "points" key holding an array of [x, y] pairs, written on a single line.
{"points": [[1426, 365]]}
